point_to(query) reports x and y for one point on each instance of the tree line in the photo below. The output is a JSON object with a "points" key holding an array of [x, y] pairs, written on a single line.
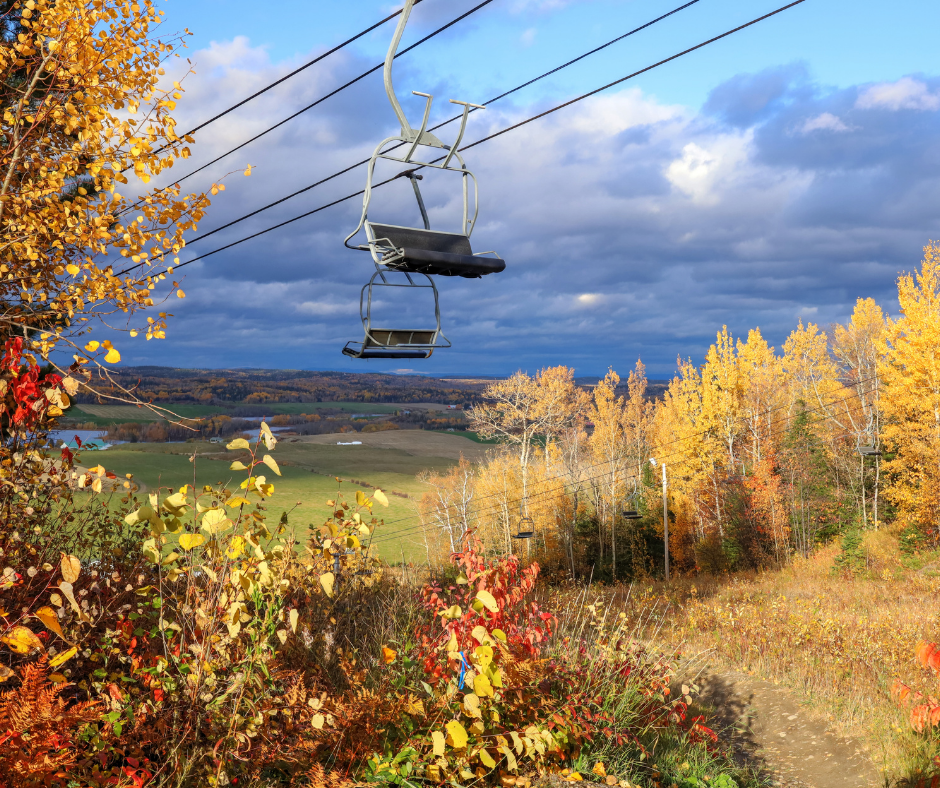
{"points": [[768, 452]]}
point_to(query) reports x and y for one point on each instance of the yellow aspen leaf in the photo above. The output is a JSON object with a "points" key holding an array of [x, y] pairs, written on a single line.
{"points": [[248, 171], [58, 678], [65, 656], [238, 500], [282, 636], [482, 686], [238, 465], [516, 742], [317, 721], [269, 461], [92, 346], [388, 655], [238, 443], [236, 547], [66, 588], [71, 567], [437, 743], [215, 521], [72, 269], [456, 735], [479, 634], [486, 759], [112, 356], [379, 496], [50, 620], [599, 769], [180, 294], [487, 600], [471, 705], [21, 640], [326, 581], [189, 541]]}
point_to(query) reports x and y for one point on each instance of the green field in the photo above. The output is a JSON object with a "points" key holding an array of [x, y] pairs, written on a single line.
{"points": [[308, 481]]}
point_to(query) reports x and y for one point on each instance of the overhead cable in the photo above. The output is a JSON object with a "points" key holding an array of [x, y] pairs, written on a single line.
{"points": [[440, 125], [293, 73], [491, 136], [332, 93]]}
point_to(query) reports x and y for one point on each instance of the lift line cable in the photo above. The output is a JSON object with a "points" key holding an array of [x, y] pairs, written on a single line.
{"points": [[333, 92], [293, 73], [705, 432], [478, 142], [440, 125], [421, 526]]}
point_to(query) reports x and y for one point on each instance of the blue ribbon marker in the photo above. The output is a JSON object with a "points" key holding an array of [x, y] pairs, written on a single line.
{"points": [[463, 670]]}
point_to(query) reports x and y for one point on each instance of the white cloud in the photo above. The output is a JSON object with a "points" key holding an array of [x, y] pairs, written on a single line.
{"points": [[906, 93], [824, 122], [528, 37], [620, 217], [699, 171]]}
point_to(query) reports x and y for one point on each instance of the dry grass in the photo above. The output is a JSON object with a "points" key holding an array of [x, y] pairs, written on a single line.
{"points": [[837, 641]]}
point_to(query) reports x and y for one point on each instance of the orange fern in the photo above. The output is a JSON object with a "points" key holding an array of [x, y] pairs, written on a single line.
{"points": [[37, 728]]}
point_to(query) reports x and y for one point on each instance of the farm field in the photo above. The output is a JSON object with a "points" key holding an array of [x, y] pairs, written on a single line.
{"points": [[310, 465]]}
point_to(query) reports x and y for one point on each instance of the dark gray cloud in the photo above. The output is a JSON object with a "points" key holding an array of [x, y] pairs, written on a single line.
{"points": [[631, 228]]}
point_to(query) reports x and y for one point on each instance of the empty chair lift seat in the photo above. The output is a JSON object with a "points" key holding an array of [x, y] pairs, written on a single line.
{"points": [[433, 252], [393, 343]]}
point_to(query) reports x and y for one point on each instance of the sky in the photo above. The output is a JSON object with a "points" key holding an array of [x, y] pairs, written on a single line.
{"points": [[773, 176]]}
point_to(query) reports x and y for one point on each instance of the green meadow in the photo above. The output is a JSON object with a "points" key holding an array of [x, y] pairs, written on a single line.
{"points": [[309, 479]]}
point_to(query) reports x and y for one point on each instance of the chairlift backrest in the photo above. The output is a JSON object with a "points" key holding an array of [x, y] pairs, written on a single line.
{"points": [[413, 249]]}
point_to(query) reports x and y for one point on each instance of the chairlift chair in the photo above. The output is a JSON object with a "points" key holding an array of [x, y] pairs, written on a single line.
{"points": [[631, 514], [418, 250], [396, 342], [526, 529], [869, 451]]}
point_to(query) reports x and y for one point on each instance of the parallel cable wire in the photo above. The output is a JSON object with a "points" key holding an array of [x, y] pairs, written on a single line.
{"points": [[433, 128], [293, 73], [487, 138], [419, 528], [332, 92], [446, 122]]}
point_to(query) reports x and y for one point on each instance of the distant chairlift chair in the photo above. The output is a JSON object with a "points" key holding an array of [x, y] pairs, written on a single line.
{"points": [[416, 250]]}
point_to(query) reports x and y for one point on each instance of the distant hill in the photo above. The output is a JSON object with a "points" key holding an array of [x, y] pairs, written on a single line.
{"points": [[225, 386]]}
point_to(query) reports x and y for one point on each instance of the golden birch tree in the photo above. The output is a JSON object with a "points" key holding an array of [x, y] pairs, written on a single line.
{"points": [[83, 104], [910, 395]]}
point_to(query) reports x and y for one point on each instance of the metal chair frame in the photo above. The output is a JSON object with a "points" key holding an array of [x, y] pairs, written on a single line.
{"points": [[373, 346], [385, 253]]}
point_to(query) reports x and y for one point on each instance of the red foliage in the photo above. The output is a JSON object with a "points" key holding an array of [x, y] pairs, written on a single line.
{"points": [[524, 624], [925, 709]]}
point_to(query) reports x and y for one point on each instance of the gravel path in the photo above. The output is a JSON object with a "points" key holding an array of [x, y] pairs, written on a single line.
{"points": [[766, 725]]}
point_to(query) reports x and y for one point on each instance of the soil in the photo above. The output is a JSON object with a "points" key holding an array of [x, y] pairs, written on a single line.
{"points": [[766, 726]]}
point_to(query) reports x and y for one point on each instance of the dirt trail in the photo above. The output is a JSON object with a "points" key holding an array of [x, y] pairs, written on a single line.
{"points": [[766, 726]]}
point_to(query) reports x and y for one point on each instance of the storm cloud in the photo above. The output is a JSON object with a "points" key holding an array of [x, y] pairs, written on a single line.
{"points": [[630, 228]]}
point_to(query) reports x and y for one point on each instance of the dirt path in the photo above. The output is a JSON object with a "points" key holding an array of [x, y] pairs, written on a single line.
{"points": [[766, 726]]}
